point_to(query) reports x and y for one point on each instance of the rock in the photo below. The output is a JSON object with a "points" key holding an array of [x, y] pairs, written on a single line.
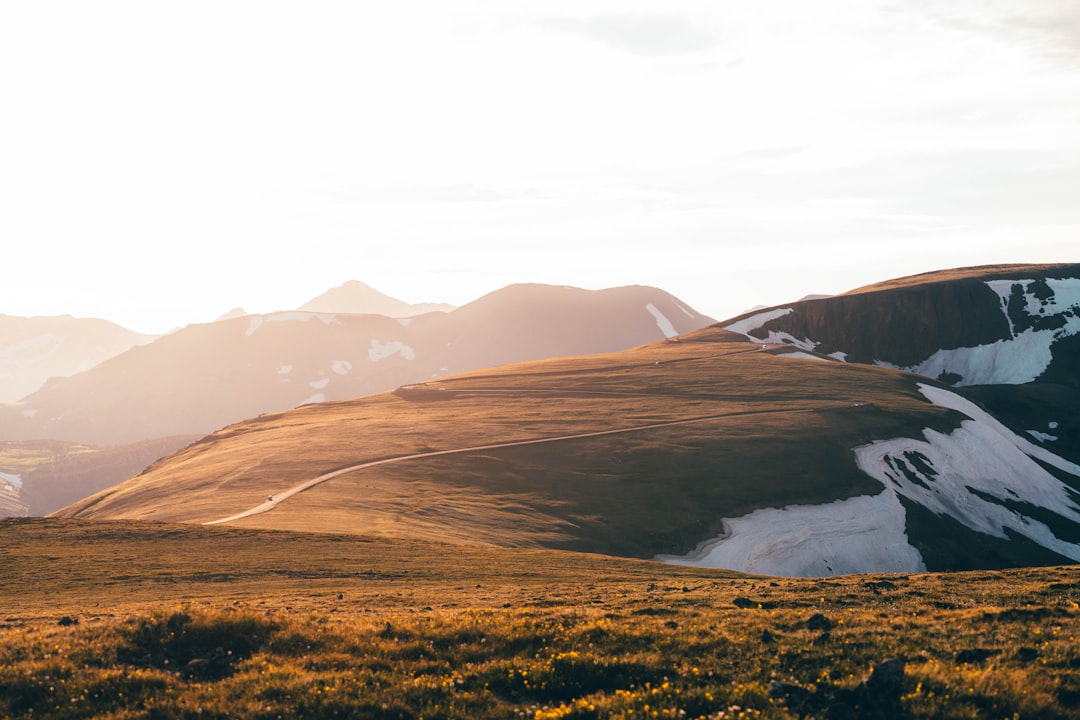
{"points": [[817, 621], [743, 602], [973, 656], [1026, 654], [877, 586], [823, 638], [886, 679], [767, 637], [67, 621]]}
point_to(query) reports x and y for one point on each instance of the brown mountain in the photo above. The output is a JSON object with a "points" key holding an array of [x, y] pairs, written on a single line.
{"points": [[34, 349], [205, 376]]}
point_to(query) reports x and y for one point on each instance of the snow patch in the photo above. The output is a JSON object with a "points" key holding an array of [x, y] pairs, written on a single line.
{"points": [[319, 384], [971, 473], [405, 322], [801, 355], [686, 312], [1006, 362], [1022, 357], [380, 351], [316, 398], [253, 325], [661, 321], [284, 369], [841, 356], [1041, 436], [859, 534], [1065, 296], [778, 337], [30, 413], [1052, 425], [341, 367], [12, 480], [753, 322]]}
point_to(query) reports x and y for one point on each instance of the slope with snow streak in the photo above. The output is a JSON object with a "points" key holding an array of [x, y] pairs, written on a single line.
{"points": [[1040, 313], [861, 534], [981, 474]]}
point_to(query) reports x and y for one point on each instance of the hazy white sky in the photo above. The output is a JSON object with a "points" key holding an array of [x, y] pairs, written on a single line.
{"points": [[163, 162]]}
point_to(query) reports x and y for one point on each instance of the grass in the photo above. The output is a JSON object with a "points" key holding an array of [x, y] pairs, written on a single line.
{"points": [[978, 271], [141, 620], [786, 437]]}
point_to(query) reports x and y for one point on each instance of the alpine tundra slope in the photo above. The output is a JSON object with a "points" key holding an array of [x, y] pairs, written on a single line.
{"points": [[702, 449]]}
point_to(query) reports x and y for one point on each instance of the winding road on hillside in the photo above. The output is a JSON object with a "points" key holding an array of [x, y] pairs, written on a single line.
{"points": [[277, 498]]}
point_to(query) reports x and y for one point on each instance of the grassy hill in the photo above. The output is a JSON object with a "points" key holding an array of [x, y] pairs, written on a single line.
{"points": [[156, 620], [700, 429], [774, 431]]}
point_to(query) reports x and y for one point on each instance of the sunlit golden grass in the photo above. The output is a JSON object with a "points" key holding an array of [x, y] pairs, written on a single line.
{"points": [[780, 432], [132, 620], [978, 271]]}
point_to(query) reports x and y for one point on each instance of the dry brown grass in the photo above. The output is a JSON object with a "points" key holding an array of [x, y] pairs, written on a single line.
{"points": [[183, 621], [978, 271]]}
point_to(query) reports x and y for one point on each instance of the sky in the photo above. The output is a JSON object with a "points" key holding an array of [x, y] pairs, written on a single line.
{"points": [[164, 162]]}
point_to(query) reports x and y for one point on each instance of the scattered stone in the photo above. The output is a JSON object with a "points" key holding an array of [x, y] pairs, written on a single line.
{"points": [[341, 596], [767, 637], [887, 679], [743, 602], [878, 696], [876, 586], [1026, 654], [671, 625], [790, 694], [823, 638], [974, 656], [67, 621], [817, 621]]}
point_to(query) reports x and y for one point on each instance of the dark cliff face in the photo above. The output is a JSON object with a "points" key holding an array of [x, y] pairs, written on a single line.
{"points": [[907, 323], [902, 327]]}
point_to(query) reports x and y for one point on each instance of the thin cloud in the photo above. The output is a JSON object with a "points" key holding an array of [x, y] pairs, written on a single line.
{"points": [[649, 35]]}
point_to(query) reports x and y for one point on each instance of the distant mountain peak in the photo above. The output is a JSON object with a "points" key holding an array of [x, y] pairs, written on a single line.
{"points": [[234, 313], [357, 298]]}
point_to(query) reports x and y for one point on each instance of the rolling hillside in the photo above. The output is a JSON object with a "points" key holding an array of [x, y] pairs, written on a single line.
{"points": [[706, 449], [202, 377], [38, 477]]}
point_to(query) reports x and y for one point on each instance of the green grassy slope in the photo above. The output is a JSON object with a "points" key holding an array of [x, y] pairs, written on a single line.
{"points": [[781, 432]]}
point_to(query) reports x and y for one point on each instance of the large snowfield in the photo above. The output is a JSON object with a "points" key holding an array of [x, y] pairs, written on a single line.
{"points": [[978, 474]]}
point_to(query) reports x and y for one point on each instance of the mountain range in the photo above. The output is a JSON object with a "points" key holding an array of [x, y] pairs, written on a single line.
{"points": [[32, 350], [204, 376], [788, 441]]}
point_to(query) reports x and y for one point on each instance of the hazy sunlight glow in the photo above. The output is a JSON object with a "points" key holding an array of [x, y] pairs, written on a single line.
{"points": [[163, 163]]}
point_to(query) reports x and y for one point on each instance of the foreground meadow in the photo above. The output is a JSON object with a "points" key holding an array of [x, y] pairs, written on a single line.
{"points": [[137, 620]]}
